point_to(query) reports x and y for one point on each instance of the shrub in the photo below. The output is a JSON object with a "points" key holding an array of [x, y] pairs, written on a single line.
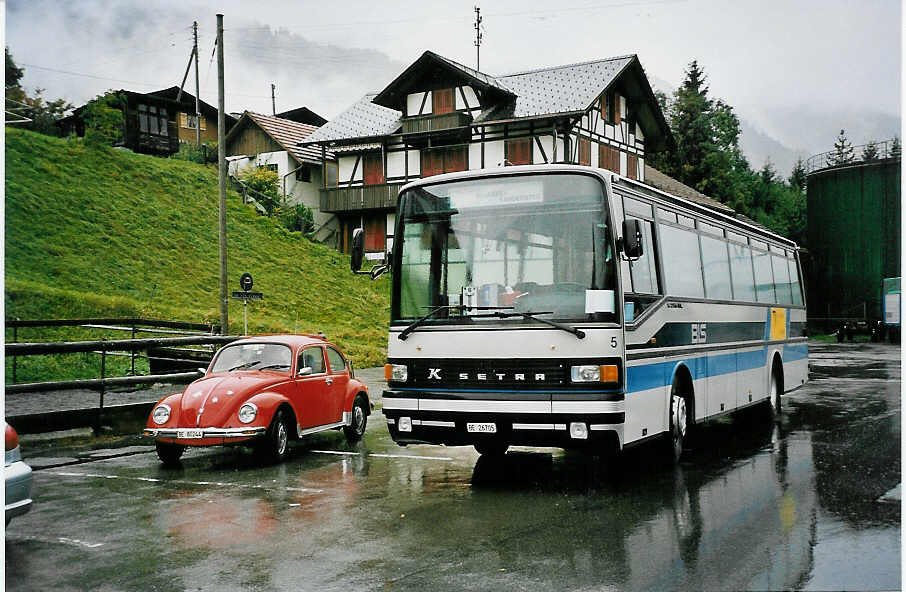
{"points": [[207, 154], [298, 218], [263, 185]]}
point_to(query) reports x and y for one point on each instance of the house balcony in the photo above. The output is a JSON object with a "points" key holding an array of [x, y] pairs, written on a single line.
{"points": [[355, 199], [435, 123]]}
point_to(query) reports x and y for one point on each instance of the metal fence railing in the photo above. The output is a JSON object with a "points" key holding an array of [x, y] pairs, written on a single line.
{"points": [[871, 152]]}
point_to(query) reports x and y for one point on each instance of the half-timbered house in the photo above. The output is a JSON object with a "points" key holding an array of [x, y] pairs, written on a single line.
{"points": [[440, 116]]}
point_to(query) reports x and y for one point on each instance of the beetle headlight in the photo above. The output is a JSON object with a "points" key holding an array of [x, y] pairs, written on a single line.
{"points": [[161, 414], [248, 412]]}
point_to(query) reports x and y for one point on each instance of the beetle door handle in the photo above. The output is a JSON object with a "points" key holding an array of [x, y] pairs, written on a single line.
{"points": [[328, 380]]}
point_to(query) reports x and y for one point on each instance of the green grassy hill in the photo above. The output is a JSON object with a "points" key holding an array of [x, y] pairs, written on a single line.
{"points": [[110, 233]]}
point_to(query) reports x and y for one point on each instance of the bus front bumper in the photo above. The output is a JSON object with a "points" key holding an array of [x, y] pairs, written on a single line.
{"points": [[565, 421]]}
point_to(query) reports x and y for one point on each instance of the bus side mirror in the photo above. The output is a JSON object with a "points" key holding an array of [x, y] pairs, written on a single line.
{"points": [[632, 238], [358, 249]]}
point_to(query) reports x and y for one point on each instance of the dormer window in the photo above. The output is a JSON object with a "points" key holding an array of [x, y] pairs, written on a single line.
{"points": [[442, 101]]}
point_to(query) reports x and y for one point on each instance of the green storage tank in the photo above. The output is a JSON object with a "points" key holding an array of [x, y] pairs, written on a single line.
{"points": [[853, 240]]}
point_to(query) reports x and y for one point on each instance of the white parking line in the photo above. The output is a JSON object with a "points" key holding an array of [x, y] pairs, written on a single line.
{"points": [[152, 480], [380, 455]]}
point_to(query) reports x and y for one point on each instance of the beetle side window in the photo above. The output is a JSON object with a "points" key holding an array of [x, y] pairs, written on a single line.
{"points": [[337, 363], [312, 357]]}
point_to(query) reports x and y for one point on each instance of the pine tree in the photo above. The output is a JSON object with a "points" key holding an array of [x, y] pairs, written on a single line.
{"points": [[895, 147], [870, 151], [797, 178], [843, 151]]}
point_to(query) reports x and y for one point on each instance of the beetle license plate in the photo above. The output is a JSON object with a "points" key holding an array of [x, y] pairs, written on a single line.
{"points": [[482, 428], [189, 434]]}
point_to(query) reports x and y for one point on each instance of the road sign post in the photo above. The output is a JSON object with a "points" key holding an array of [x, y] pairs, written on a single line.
{"points": [[246, 282]]}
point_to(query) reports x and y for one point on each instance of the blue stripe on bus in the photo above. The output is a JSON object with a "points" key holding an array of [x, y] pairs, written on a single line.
{"points": [[660, 374], [793, 353]]}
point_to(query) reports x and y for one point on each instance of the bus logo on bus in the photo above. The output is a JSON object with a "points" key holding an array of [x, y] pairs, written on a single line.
{"points": [[434, 374]]}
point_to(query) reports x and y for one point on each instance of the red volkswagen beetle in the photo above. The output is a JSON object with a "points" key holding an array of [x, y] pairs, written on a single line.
{"points": [[263, 391]]}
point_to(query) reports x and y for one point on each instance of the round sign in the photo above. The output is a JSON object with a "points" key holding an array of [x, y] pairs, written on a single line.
{"points": [[245, 281]]}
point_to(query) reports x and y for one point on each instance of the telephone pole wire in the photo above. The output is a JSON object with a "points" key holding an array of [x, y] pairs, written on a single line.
{"points": [[477, 38], [222, 173], [197, 110]]}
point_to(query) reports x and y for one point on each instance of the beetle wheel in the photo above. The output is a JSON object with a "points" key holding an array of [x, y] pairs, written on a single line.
{"points": [[169, 454], [356, 429], [276, 440]]}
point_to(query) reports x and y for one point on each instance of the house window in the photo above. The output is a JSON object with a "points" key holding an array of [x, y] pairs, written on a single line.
{"points": [[442, 101], [519, 151], [331, 174], [584, 151], [191, 121], [444, 160], [270, 167], [374, 168], [303, 175], [152, 120], [632, 164], [610, 108]]}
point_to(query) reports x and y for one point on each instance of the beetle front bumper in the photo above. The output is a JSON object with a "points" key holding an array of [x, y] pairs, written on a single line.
{"points": [[225, 433]]}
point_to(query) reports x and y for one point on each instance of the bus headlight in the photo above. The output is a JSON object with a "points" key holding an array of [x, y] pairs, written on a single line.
{"points": [[396, 372], [593, 373]]}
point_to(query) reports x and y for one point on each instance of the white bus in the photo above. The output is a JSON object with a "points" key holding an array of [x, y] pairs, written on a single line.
{"points": [[567, 306]]}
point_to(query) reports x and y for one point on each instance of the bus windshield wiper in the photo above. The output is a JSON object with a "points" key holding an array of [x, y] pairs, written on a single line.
{"points": [[417, 322], [532, 315]]}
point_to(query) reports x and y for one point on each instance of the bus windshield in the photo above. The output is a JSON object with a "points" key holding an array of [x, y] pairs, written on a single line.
{"points": [[537, 244]]}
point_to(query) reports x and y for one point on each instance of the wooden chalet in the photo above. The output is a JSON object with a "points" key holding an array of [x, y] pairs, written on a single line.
{"points": [[155, 123], [274, 142], [440, 116]]}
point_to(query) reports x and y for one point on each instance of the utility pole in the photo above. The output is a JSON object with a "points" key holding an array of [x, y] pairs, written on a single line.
{"points": [[273, 101], [221, 174], [477, 38], [197, 111]]}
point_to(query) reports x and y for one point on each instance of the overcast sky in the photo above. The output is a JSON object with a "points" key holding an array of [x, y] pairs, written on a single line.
{"points": [[829, 63]]}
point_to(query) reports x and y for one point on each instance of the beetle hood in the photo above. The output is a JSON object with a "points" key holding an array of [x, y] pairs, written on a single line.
{"points": [[210, 401]]}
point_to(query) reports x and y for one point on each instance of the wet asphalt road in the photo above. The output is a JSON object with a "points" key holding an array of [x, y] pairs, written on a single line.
{"points": [[753, 506]]}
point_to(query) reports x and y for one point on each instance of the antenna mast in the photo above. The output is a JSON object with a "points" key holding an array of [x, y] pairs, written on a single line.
{"points": [[477, 38]]}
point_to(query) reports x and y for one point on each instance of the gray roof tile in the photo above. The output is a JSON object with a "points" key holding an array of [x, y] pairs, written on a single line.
{"points": [[363, 120]]}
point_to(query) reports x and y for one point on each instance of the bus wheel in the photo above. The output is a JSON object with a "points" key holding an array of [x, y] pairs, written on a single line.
{"points": [[679, 422], [491, 448], [774, 399]]}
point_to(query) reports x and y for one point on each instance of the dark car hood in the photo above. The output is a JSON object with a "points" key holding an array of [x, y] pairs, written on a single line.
{"points": [[210, 401]]}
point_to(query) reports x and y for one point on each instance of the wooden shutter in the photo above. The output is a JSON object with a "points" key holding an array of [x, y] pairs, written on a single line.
{"points": [[584, 151], [632, 163], [202, 122], [616, 109], [455, 159], [432, 162], [442, 101], [183, 120], [376, 233], [519, 151], [374, 168]]}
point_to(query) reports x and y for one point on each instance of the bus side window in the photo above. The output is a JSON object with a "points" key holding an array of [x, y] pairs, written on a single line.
{"points": [[644, 270], [682, 262]]}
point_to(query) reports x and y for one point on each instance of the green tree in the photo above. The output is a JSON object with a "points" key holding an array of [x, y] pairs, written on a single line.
{"points": [[103, 117], [870, 151], [798, 176], [842, 153], [895, 147], [263, 185], [43, 113]]}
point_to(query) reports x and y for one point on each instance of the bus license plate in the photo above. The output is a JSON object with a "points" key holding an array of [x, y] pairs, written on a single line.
{"points": [[189, 434], [482, 428]]}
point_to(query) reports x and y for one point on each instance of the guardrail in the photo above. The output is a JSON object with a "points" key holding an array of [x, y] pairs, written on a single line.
{"points": [[865, 153], [106, 347]]}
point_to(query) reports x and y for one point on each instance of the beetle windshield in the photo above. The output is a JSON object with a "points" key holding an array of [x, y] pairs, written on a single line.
{"points": [[253, 356], [537, 244]]}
